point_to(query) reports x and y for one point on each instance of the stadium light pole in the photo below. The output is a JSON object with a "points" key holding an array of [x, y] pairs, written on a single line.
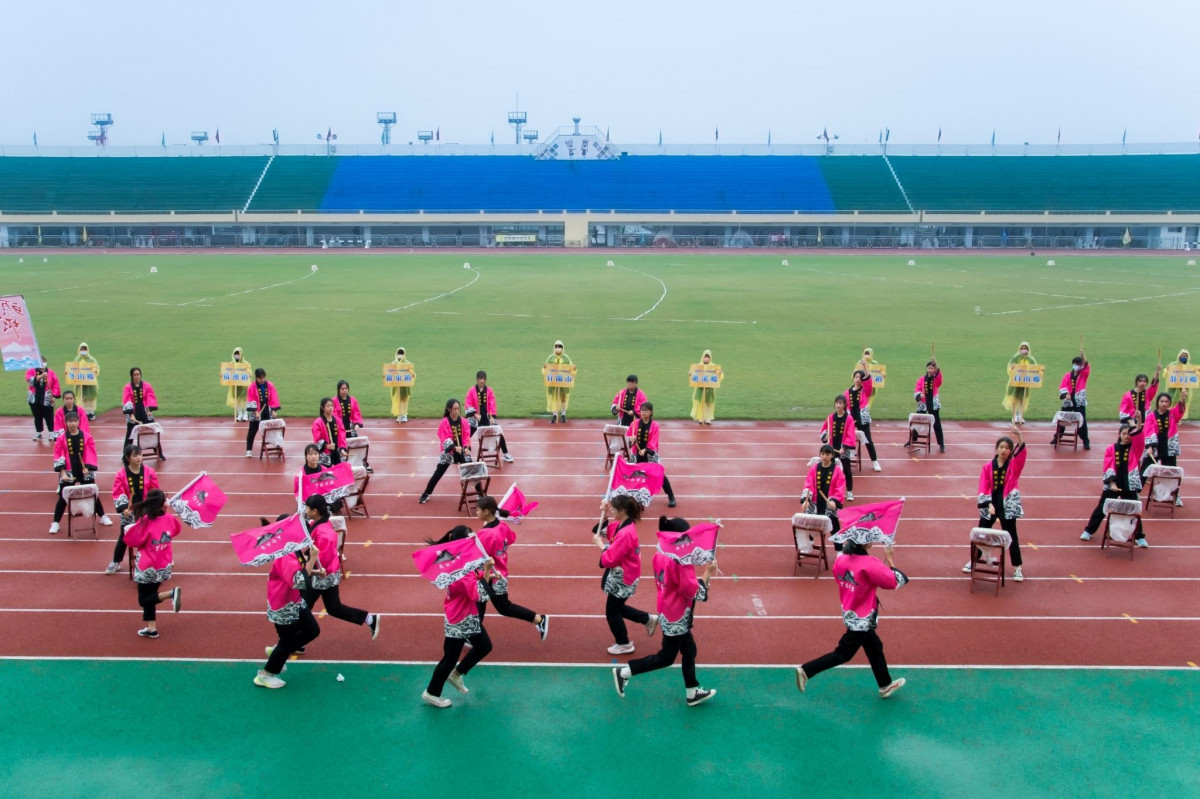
{"points": [[828, 140], [386, 119], [100, 135], [518, 119], [530, 135], [425, 136], [199, 136]]}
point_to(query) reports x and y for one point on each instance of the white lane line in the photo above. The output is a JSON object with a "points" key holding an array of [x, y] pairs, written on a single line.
{"points": [[655, 305], [237, 293], [438, 297], [1087, 304]]}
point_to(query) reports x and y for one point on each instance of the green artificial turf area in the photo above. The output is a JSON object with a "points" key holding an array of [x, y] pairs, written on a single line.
{"points": [[787, 337], [88, 729]]}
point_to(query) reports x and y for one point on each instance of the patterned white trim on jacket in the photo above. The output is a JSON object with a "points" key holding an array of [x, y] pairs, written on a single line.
{"points": [[614, 583], [288, 614], [328, 581], [463, 629], [499, 586], [150, 576]]}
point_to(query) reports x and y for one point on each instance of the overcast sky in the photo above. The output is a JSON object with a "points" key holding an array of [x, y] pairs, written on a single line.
{"points": [[1022, 67]]}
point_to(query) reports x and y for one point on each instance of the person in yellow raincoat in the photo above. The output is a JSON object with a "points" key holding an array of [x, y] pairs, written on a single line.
{"points": [[864, 363], [401, 394], [236, 398], [87, 394], [1183, 359], [704, 400], [557, 398], [1016, 398]]}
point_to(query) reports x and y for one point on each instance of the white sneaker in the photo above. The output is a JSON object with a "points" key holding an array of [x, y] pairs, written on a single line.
{"points": [[435, 701], [652, 624], [107, 522], [455, 679], [1143, 543], [1085, 536], [876, 467], [1179, 502], [112, 567], [967, 568], [404, 419], [53, 528], [1018, 575], [265, 679], [888, 690], [249, 453], [507, 458], [38, 437], [621, 649], [849, 496]]}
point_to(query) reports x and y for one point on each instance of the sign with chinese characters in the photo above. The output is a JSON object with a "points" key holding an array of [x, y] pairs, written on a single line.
{"points": [[1026, 375], [235, 373], [81, 373], [398, 374], [1182, 375], [705, 375], [561, 375]]}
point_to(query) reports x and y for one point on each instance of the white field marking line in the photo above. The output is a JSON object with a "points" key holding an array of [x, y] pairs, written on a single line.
{"points": [[652, 307], [1086, 304], [1047, 294], [438, 297], [1107, 282], [237, 293]]}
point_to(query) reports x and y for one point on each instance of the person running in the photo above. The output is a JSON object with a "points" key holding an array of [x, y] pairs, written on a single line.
{"points": [[859, 576], [627, 404], [352, 420], [151, 534], [130, 486], [286, 609], [557, 397], [858, 404], [138, 403], [328, 433], [678, 591], [401, 394], [1016, 398], [621, 558], [704, 400], [926, 393], [454, 435], [1138, 402], [838, 432], [236, 398], [463, 624], [69, 406], [1162, 433], [481, 400], [75, 461], [1122, 478], [325, 585], [87, 393], [496, 537], [1000, 495], [643, 434], [262, 403], [43, 391], [1072, 391]]}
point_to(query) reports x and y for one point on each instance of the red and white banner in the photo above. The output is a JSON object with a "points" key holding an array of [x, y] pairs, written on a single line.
{"points": [[694, 547], [639, 480], [443, 564], [261, 545], [870, 524], [198, 504], [333, 484]]}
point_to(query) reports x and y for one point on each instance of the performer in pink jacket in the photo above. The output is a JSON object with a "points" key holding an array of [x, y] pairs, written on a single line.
{"points": [[138, 403], [643, 436], [262, 403], [131, 484], [1000, 494], [481, 401], [1138, 402], [463, 624], [1072, 391], [1122, 479], [151, 535], [678, 591], [43, 390], [925, 392], [352, 419], [454, 438], [838, 432], [858, 401], [825, 488], [286, 609], [858, 577], [1162, 433], [75, 461], [621, 559], [325, 586], [496, 537], [627, 404], [69, 406], [328, 433]]}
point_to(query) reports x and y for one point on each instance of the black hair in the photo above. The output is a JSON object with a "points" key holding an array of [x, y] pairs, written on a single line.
{"points": [[311, 448], [1141, 377], [1003, 439], [676, 525], [341, 383], [153, 505], [628, 505], [853, 548], [931, 362], [130, 451], [489, 504], [260, 372], [263, 521], [1160, 396], [480, 374], [450, 403], [648, 406], [841, 398], [1124, 428], [456, 534], [1077, 360], [70, 416], [133, 369], [825, 448], [68, 391], [860, 374], [319, 504], [631, 379], [321, 409]]}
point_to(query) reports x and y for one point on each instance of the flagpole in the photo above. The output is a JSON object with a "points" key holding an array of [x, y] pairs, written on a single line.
{"points": [[612, 475], [195, 480]]}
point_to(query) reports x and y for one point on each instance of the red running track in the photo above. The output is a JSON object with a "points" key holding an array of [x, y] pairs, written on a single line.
{"points": [[1078, 605]]}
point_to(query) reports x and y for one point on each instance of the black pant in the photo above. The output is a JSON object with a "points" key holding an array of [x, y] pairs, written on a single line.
{"points": [[333, 605], [441, 469], [937, 428], [1083, 428], [119, 549], [139, 415], [627, 419], [616, 612], [292, 637], [60, 507], [1009, 526], [148, 599], [1098, 514], [866, 430], [666, 483], [43, 415], [251, 433], [672, 645], [822, 506], [505, 607], [847, 470], [847, 648], [481, 645]]}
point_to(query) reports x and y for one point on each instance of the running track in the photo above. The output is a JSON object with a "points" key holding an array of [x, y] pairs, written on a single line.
{"points": [[1077, 606]]}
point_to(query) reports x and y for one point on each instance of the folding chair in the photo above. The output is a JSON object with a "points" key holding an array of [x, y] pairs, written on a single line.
{"points": [[920, 432], [487, 449], [357, 450], [989, 556], [1121, 521], [856, 454], [338, 523], [273, 431], [355, 501], [81, 504], [1162, 486], [615, 444], [804, 527], [1067, 429], [149, 438], [473, 477]]}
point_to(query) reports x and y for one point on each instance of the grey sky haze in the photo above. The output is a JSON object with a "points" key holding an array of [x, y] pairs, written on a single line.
{"points": [[1023, 68]]}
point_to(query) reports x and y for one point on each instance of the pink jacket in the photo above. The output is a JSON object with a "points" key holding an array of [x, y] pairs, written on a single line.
{"points": [[1064, 387], [461, 599], [446, 430], [837, 484], [858, 578], [472, 400], [321, 433], [122, 493], [1137, 445], [638, 398], [1130, 402], [919, 392], [496, 540], [52, 388], [62, 457], [678, 587], [623, 550], [849, 437], [60, 419], [651, 434], [326, 540], [283, 583], [252, 397], [355, 413], [148, 398], [1173, 417], [1012, 493], [152, 539], [864, 399]]}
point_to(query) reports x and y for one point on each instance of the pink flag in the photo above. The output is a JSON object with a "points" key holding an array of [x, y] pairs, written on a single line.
{"points": [[515, 503], [870, 524], [639, 480], [695, 547], [443, 564], [198, 504], [333, 484], [264, 544]]}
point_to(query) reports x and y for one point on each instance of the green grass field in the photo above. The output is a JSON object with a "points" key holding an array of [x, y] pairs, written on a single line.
{"points": [[787, 337]]}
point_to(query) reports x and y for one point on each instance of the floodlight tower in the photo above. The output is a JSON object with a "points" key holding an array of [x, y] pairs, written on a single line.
{"points": [[199, 136], [518, 119], [576, 121], [101, 122], [530, 135], [386, 119], [425, 136]]}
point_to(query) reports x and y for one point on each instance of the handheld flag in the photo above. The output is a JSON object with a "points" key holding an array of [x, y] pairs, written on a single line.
{"points": [[695, 547], [261, 545], [198, 504], [870, 524], [639, 480], [443, 564], [515, 503], [333, 484]]}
